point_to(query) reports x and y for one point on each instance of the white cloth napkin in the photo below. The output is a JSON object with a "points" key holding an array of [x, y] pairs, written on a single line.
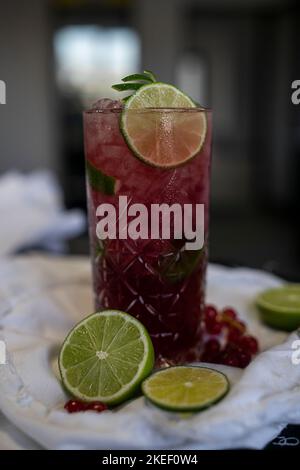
{"points": [[11, 438], [31, 211], [41, 299]]}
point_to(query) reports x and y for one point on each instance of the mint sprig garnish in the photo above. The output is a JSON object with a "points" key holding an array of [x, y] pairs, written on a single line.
{"points": [[134, 82]]}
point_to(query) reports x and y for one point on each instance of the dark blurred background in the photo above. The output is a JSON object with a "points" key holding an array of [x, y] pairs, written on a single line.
{"points": [[237, 56]]}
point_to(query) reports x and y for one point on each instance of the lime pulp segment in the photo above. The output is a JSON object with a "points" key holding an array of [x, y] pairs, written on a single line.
{"points": [[183, 388], [105, 357]]}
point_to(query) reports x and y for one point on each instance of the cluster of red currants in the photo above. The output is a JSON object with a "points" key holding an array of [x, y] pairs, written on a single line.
{"points": [[73, 406], [225, 338]]}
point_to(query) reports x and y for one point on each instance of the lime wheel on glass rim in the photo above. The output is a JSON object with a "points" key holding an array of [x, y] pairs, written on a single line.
{"points": [[155, 111], [105, 357], [146, 130]]}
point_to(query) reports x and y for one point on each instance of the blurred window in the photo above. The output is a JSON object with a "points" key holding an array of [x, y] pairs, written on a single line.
{"points": [[89, 59], [192, 76]]}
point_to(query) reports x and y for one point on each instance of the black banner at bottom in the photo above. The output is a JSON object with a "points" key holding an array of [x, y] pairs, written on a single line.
{"points": [[136, 458]]}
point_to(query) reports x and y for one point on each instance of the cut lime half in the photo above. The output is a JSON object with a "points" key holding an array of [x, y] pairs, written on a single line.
{"points": [[280, 307], [185, 388], [105, 357], [167, 136]]}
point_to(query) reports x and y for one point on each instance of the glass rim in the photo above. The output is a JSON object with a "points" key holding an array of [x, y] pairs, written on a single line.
{"points": [[147, 110]]}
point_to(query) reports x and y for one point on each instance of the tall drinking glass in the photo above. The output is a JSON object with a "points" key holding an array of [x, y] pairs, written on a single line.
{"points": [[155, 279]]}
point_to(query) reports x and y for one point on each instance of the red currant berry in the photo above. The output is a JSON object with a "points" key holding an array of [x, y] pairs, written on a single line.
{"points": [[97, 406], [229, 312], [210, 357], [244, 359], [249, 344], [74, 406], [241, 326], [213, 327], [230, 359], [190, 356], [230, 348], [210, 312], [212, 346], [206, 357], [234, 335]]}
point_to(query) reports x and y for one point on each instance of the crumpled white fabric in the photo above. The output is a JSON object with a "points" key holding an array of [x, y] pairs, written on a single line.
{"points": [[40, 300], [32, 213]]}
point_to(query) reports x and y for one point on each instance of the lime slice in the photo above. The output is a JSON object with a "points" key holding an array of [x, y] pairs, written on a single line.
{"points": [[280, 307], [105, 357], [164, 138], [99, 181], [184, 388]]}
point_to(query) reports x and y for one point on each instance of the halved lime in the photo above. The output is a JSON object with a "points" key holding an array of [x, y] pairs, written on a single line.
{"points": [[185, 388], [166, 137], [105, 357], [280, 307]]}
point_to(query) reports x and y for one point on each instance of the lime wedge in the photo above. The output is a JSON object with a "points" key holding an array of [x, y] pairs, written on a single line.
{"points": [[280, 307], [183, 388], [105, 357], [99, 181], [167, 137]]}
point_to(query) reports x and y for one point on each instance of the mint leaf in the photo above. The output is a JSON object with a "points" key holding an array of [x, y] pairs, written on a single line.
{"points": [[127, 86], [99, 250], [137, 76], [180, 265], [150, 75], [99, 181]]}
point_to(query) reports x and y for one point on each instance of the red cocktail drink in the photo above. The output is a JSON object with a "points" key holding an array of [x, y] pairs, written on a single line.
{"points": [[157, 280]]}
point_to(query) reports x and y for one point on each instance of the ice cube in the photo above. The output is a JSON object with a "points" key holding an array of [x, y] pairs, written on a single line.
{"points": [[106, 103]]}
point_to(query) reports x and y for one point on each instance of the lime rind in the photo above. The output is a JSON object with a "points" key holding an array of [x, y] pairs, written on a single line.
{"points": [[143, 369], [166, 405], [274, 320]]}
